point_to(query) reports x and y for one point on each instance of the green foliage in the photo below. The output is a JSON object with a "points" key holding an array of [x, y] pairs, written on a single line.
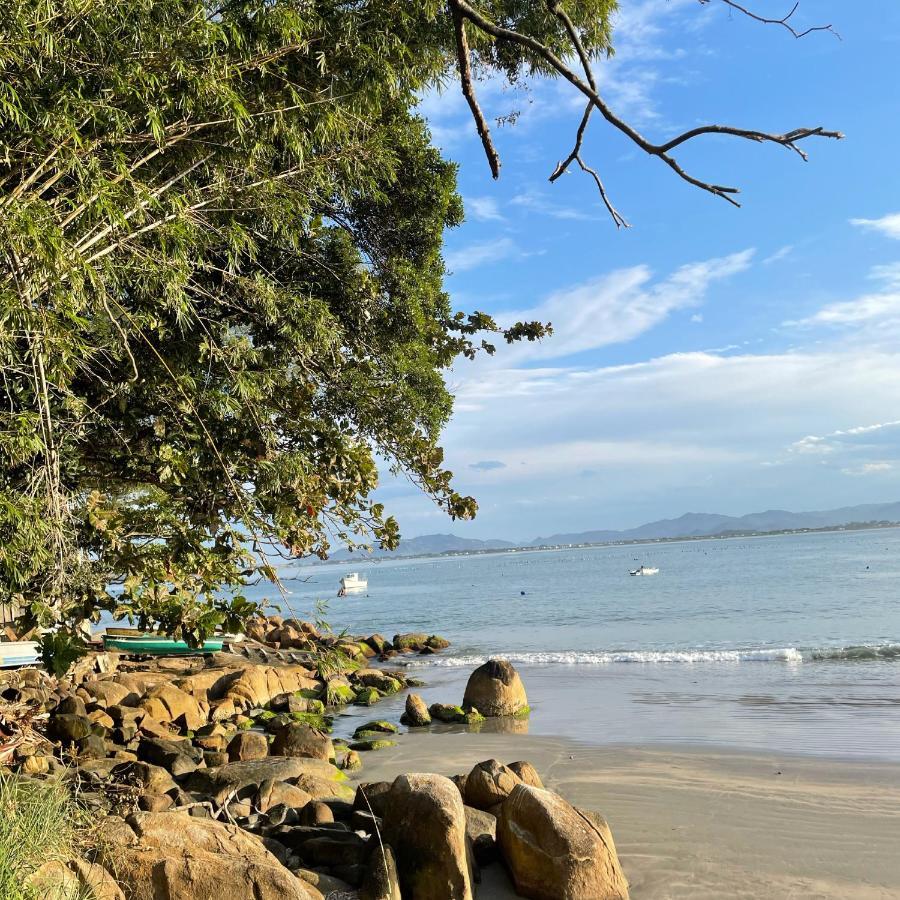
{"points": [[221, 292], [60, 650]]}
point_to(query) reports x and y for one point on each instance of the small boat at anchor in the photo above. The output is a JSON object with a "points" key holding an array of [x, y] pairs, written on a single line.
{"points": [[133, 640], [645, 570], [14, 654], [353, 582]]}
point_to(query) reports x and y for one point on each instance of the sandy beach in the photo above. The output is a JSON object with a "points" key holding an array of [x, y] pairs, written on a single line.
{"points": [[703, 824]]}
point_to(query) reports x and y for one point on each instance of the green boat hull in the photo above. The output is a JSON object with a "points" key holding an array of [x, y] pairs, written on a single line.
{"points": [[159, 646]]}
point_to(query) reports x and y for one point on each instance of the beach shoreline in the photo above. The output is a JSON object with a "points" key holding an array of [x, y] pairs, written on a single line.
{"points": [[701, 823]]}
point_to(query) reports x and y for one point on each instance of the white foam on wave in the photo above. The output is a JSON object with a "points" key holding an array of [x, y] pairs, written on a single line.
{"points": [[605, 658]]}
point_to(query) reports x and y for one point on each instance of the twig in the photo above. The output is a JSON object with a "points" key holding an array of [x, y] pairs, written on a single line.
{"points": [[783, 21]]}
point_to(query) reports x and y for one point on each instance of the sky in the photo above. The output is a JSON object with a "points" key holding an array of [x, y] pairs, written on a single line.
{"points": [[708, 358]]}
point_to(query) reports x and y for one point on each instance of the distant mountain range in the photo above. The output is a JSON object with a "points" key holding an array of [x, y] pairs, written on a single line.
{"points": [[690, 525]]}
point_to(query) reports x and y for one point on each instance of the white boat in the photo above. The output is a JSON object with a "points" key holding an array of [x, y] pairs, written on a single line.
{"points": [[18, 653], [353, 582], [644, 570]]}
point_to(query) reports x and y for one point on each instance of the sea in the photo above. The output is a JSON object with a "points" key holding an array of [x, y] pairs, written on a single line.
{"points": [[783, 643]]}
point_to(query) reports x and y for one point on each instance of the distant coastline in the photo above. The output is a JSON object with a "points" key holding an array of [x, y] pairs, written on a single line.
{"points": [[627, 542]]}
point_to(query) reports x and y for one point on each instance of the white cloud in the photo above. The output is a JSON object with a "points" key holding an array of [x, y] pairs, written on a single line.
{"points": [[888, 272], [484, 209], [872, 468], [888, 225], [478, 254], [867, 308], [697, 317], [779, 254], [537, 201], [618, 307]]}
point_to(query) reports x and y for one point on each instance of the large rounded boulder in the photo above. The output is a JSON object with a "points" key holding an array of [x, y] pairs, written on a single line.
{"points": [[495, 689], [555, 852], [425, 824]]}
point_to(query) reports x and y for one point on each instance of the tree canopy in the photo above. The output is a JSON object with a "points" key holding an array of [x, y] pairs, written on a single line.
{"points": [[221, 283]]}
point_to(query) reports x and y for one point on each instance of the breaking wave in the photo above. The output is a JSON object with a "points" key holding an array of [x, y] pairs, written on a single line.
{"points": [[690, 657]]}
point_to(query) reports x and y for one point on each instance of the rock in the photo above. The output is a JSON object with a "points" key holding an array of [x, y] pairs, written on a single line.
{"points": [[416, 713], [92, 747], [379, 725], [555, 853], [238, 776], [53, 880], [410, 641], [280, 793], [212, 759], [246, 745], [489, 783], [166, 703], [152, 779], [96, 880], [460, 782], [367, 696], [377, 643], [327, 884], [336, 849], [68, 728], [527, 772], [71, 706], [380, 881], [435, 642], [372, 797], [316, 813], [375, 678], [298, 739], [495, 689], [35, 765], [155, 802], [322, 789], [111, 693], [186, 856], [372, 744], [352, 761], [425, 824], [99, 717], [445, 712], [255, 686], [125, 715], [481, 830], [177, 757]]}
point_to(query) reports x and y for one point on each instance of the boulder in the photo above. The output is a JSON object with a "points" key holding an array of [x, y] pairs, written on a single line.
{"points": [[371, 744], [489, 783], [495, 689], [96, 880], [111, 693], [446, 712], [425, 824], [527, 772], [185, 856], [481, 830], [553, 852], [327, 884], [416, 713], [280, 793], [352, 761], [152, 779], [246, 745], [166, 703], [68, 728], [410, 641], [381, 881], [239, 776], [255, 686], [177, 757], [373, 797], [53, 880], [316, 813], [375, 678], [300, 740]]}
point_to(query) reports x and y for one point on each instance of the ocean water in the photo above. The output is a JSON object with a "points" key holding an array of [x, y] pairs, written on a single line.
{"points": [[784, 644]]}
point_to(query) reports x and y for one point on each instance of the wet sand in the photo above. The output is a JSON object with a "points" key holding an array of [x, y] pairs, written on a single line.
{"points": [[704, 824]]}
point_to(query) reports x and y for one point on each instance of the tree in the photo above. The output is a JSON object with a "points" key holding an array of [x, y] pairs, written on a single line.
{"points": [[221, 285]]}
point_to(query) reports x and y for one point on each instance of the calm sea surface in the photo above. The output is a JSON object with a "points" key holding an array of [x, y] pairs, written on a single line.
{"points": [[783, 643]]}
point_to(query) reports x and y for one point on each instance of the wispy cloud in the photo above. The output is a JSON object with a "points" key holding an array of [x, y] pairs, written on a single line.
{"points": [[871, 468], [618, 307], [888, 225], [868, 308], [484, 209], [537, 201], [483, 253], [888, 273], [780, 254]]}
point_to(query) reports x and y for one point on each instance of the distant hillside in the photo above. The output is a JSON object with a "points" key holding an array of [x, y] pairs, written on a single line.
{"points": [[709, 524], [687, 526], [430, 544]]}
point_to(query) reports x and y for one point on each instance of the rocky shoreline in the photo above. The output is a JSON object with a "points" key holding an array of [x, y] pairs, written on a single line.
{"points": [[217, 776]]}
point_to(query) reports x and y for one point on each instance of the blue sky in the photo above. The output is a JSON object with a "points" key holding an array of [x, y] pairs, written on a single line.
{"points": [[708, 358]]}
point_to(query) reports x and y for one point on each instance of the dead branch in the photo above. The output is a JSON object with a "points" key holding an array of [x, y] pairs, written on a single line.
{"points": [[784, 21], [468, 89], [587, 86]]}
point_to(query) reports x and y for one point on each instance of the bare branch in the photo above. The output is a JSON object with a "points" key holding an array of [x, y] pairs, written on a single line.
{"points": [[783, 21], [468, 89], [661, 151]]}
